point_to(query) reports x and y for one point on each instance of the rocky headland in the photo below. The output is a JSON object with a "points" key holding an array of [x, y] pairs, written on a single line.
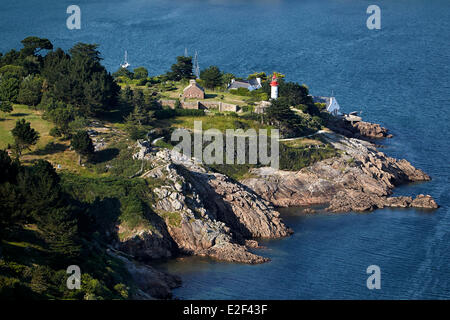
{"points": [[205, 213], [360, 179]]}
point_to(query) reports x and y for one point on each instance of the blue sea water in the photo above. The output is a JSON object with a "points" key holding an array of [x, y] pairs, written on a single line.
{"points": [[397, 76]]}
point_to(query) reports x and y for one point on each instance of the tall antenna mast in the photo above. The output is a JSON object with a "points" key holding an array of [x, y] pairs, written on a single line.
{"points": [[185, 52], [196, 66]]}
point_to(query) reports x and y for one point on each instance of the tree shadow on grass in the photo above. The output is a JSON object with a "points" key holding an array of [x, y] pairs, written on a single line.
{"points": [[210, 95], [106, 155], [50, 148], [24, 246], [19, 114]]}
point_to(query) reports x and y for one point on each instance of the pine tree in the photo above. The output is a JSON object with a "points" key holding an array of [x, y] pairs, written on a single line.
{"points": [[39, 279], [212, 77], [280, 114], [6, 106], [182, 69], [24, 136], [30, 92], [82, 144], [60, 230], [39, 190]]}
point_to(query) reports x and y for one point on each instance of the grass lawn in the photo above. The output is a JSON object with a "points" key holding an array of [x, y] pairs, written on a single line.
{"points": [[211, 95], [8, 122], [54, 150], [213, 122], [301, 142]]}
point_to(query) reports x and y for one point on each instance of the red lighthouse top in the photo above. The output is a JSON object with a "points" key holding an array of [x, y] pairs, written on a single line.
{"points": [[274, 82]]}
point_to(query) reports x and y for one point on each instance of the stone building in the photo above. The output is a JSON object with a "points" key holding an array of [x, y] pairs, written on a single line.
{"points": [[193, 91]]}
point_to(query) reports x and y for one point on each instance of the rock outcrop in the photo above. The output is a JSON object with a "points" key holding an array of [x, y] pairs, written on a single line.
{"points": [[371, 130], [204, 213], [145, 243], [359, 130], [151, 283], [424, 201], [361, 179]]}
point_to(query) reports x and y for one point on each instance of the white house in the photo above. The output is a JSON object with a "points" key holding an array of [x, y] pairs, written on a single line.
{"points": [[332, 106]]}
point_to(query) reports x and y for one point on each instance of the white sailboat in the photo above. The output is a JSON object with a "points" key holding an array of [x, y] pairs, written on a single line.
{"points": [[125, 64]]}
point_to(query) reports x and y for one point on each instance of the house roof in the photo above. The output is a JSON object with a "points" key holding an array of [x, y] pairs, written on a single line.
{"points": [[239, 84], [193, 83], [331, 103], [254, 82], [244, 84]]}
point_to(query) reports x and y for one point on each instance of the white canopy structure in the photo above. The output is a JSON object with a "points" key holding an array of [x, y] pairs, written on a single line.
{"points": [[333, 106]]}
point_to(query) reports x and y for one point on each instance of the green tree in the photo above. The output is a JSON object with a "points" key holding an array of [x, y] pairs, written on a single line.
{"points": [[40, 279], [24, 136], [134, 124], [227, 77], [138, 99], [12, 71], [12, 57], [85, 51], [9, 88], [30, 92], [140, 73], [182, 69], [61, 115], [212, 77], [295, 94], [79, 123], [126, 96], [280, 114], [7, 167], [8, 192], [123, 72], [255, 75], [33, 45], [82, 144], [60, 230], [39, 188], [6, 106], [80, 79]]}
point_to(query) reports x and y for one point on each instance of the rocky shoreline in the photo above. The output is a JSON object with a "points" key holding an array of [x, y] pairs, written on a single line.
{"points": [[204, 213], [360, 179]]}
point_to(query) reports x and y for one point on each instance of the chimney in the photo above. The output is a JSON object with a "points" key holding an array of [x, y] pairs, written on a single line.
{"points": [[192, 82]]}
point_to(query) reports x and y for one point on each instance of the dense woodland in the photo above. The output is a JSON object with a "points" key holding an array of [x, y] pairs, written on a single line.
{"points": [[46, 223]]}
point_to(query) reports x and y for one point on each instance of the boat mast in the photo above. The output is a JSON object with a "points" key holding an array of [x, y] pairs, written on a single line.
{"points": [[125, 63]]}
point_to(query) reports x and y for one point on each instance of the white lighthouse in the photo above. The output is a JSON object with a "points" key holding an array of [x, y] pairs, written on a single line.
{"points": [[274, 88]]}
